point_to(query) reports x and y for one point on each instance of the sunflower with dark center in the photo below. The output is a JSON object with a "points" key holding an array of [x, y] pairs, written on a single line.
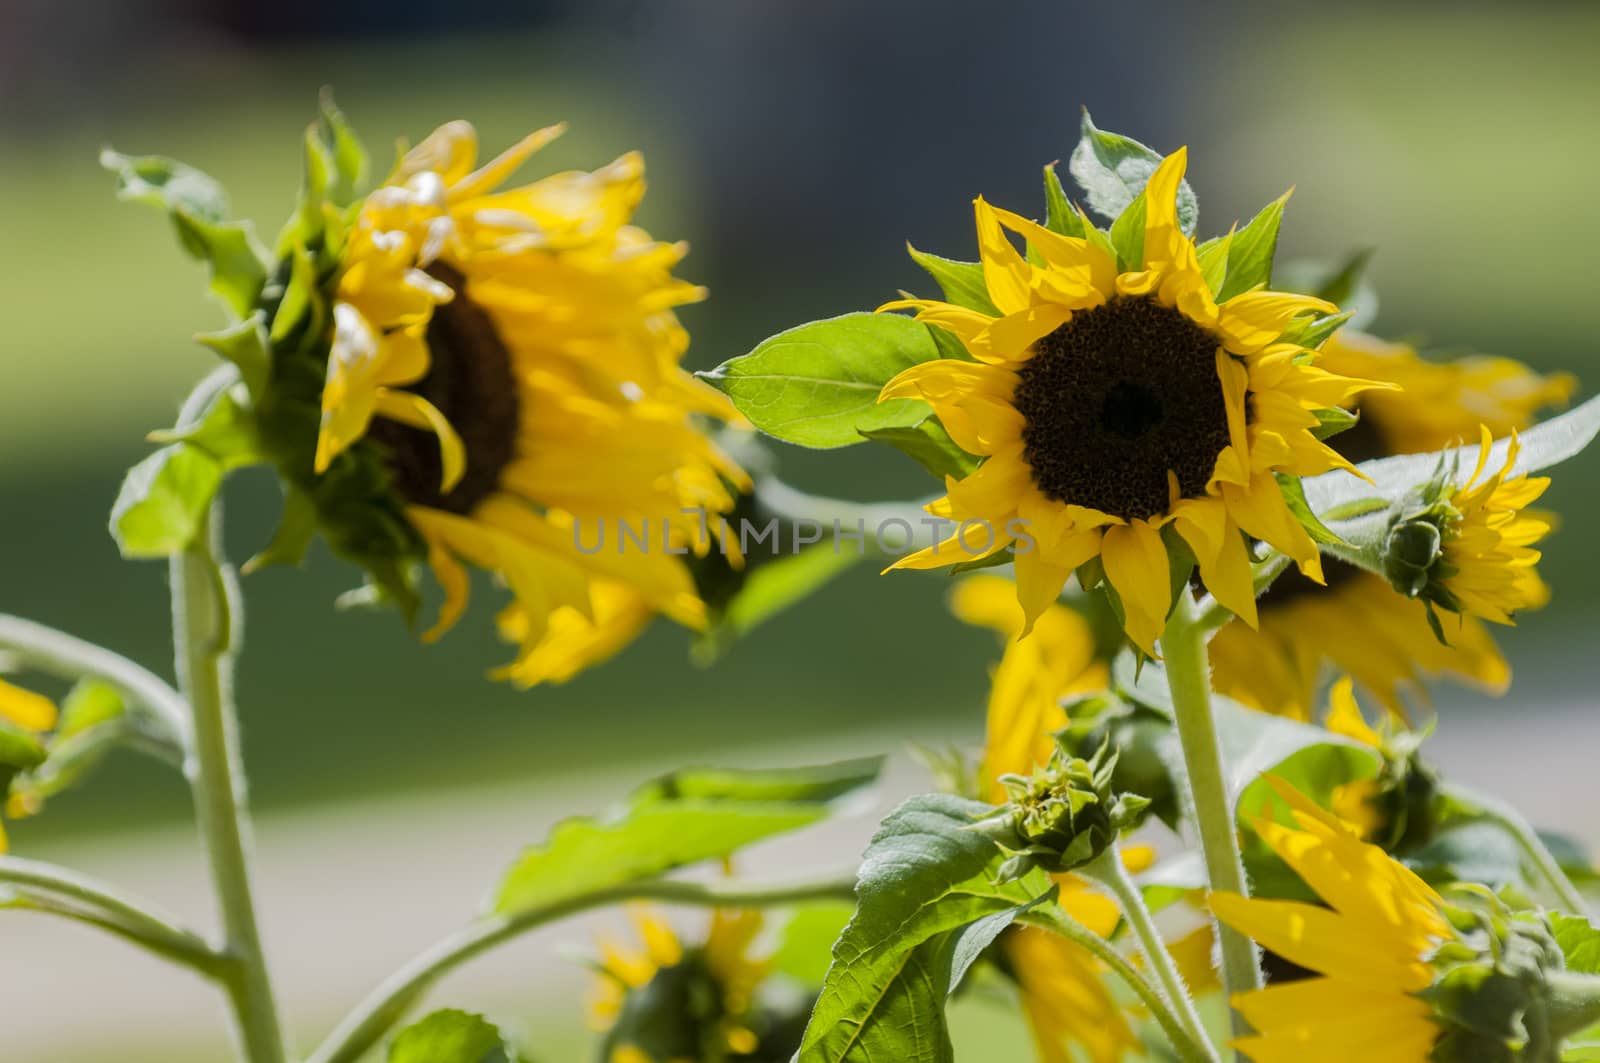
{"points": [[513, 357], [1109, 405], [1358, 625]]}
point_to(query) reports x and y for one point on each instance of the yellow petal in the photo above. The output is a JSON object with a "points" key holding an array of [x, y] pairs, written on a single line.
{"points": [[29, 711], [1136, 564], [410, 408]]}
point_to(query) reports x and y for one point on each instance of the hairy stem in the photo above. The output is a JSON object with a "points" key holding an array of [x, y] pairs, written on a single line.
{"points": [[61, 891], [364, 1026], [1189, 678], [1108, 870], [70, 657], [202, 622], [1052, 918]]}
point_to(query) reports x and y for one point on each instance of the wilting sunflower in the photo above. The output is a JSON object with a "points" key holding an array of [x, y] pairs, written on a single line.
{"points": [[1108, 406], [512, 358], [1358, 624], [662, 1002], [31, 714], [1369, 949]]}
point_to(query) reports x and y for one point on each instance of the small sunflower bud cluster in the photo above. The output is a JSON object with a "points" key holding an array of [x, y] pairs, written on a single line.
{"points": [[1503, 992], [1402, 801], [1063, 815]]}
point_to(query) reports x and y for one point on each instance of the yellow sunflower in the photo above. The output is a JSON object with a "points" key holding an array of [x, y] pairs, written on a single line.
{"points": [[1369, 949], [1358, 625], [515, 355], [694, 1003], [33, 714], [1487, 568], [1062, 988], [1109, 406]]}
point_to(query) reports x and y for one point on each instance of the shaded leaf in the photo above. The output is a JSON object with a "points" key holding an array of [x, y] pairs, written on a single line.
{"points": [[961, 282], [680, 819], [929, 445], [1059, 215], [1113, 169]]}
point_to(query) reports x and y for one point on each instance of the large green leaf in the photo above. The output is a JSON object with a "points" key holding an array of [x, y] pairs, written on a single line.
{"points": [[450, 1036], [927, 904], [1580, 942], [1393, 478], [198, 208], [817, 384], [1113, 169], [679, 819], [805, 946]]}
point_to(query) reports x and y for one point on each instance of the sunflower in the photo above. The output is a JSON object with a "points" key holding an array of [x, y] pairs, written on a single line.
{"points": [[664, 1003], [512, 356], [1357, 623], [1369, 948], [32, 715], [1109, 406], [1486, 568]]}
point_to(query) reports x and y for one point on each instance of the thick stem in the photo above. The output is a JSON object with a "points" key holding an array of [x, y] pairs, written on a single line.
{"points": [[364, 1026], [61, 891], [1189, 679], [1051, 917], [1538, 855], [1108, 870], [202, 621]]}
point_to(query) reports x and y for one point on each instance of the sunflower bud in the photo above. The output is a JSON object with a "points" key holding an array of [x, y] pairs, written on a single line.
{"points": [[1410, 551], [1502, 991], [1064, 814]]}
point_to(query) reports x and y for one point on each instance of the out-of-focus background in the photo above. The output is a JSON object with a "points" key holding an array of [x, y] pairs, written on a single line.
{"points": [[797, 146]]}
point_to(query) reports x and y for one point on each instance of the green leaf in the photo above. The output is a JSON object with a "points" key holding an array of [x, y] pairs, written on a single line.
{"points": [[680, 819], [1127, 236], [1332, 421], [1343, 284], [1213, 258], [1544, 445], [817, 385], [93, 721], [198, 207], [163, 501], [297, 527], [927, 905], [1294, 496], [1059, 215], [1250, 253], [226, 432], [929, 445], [89, 704], [450, 1036], [961, 282], [246, 345], [19, 749], [1580, 942], [805, 946], [1113, 169]]}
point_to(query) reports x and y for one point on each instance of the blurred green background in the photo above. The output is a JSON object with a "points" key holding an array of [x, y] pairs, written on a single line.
{"points": [[797, 146]]}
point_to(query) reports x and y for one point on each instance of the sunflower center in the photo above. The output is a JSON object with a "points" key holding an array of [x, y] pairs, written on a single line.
{"points": [[470, 381], [1117, 397]]}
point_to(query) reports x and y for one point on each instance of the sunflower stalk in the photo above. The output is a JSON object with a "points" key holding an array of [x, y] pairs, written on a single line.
{"points": [[1108, 870], [386, 1005], [1051, 917], [1188, 678]]}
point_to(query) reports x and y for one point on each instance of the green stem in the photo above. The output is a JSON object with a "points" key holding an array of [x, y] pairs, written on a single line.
{"points": [[882, 525], [69, 657], [1108, 870], [61, 891], [1189, 678], [367, 1024], [1052, 918], [1574, 1001], [1544, 862], [202, 621]]}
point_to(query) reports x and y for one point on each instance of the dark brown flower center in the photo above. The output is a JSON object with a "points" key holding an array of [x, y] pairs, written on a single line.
{"points": [[470, 381], [1114, 399]]}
